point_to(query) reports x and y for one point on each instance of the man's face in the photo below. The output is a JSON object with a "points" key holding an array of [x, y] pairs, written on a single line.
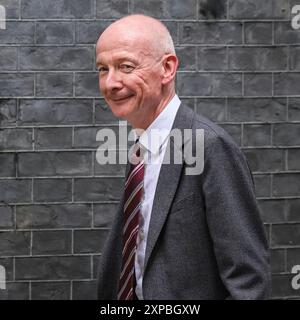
{"points": [[129, 75]]}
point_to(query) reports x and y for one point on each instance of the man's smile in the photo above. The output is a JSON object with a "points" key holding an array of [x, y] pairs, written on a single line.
{"points": [[122, 98]]}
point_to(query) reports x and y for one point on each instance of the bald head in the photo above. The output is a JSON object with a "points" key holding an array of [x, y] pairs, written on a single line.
{"points": [[148, 30], [137, 66]]}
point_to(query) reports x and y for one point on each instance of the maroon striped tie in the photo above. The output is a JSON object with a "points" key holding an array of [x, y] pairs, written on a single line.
{"points": [[132, 203]]}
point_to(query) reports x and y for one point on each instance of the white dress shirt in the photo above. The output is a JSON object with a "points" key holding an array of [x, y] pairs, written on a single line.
{"points": [[153, 143]]}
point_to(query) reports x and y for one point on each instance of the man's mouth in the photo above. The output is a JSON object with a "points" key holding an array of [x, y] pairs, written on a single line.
{"points": [[121, 99]]}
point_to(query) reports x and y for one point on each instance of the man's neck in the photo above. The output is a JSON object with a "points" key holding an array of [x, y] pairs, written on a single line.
{"points": [[145, 122]]}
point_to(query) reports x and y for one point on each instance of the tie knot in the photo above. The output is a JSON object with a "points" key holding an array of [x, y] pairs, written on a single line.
{"points": [[136, 156]]}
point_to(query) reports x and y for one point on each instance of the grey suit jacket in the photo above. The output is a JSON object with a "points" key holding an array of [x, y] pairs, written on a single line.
{"points": [[206, 239]]}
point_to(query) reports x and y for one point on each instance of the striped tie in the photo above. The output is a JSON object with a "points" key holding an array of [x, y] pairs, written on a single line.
{"points": [[132, 203]]}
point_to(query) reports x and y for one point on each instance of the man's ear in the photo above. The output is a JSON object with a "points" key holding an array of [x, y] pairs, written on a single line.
{"points": [[170, 65]]}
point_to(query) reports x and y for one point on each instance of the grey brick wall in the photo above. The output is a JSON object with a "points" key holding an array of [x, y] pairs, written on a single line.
{"points": [[240, 66]]}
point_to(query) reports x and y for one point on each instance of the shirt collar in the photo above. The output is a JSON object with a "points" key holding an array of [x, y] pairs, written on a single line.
{"points": [[156, 134]]}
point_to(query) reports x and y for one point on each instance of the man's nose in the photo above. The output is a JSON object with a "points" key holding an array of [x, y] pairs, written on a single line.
{"points": [[113, 81]]}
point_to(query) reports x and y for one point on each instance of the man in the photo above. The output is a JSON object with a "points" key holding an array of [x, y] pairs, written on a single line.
{"points": [[190, 236]]}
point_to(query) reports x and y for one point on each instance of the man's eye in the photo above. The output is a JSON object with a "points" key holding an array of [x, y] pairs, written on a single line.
{"points": [[102, 69], [126, 67]]}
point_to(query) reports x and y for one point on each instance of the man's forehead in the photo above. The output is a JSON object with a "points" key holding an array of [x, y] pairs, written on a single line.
{"points": [[118, 49], [118, 54]]}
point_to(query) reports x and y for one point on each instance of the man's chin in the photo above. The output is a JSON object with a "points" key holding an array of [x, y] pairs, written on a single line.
{"points": [[122, 111]]}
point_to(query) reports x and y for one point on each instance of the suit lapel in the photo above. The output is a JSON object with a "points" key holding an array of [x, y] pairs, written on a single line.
{"points": [[167, 184]]}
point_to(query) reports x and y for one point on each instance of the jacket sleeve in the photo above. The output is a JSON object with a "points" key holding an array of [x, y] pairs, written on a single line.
{"points": [[233, 218]]}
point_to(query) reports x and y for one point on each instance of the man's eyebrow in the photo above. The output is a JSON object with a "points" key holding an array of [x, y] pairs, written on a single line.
{"points": [[119, 59]]}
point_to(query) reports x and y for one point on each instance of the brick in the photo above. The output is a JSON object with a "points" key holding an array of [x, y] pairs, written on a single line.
{"points": [[15, 139], [12, 8], [187, 58], [12, 85], [7, 218], [294, 109], [286, 184], [58, 111], [14, 243], [257, 84], [292, 210], [286, 84], [210, 33], [109, 169], [7, 165], [253, 9], [172, 27], [257, 109], [15, 291], [165, 9], [8, 112], [286, 134], [209, 84], [257, 135], [293, 159], [53, 138], [14, 191], [294, 58], [265, 160], [189, 102], [87, 85], [277, 260], [285, 34], [96, 261], [88, 32], [51, 290], [53, 268], [212, 58], [234, 130], [103, 114], [97, 189], [267, 232], [54, 32], [285, 235], [54, 85], [84, 290], [8, 58], [56, 58], [18, 32], [56, 9], [54, 164], [257, 58], [56, 190], [51, 242], [212, 108], [262, 184], [8, 264], [293, 258], [85, 137], [104, 214], [54, 216], [258, 33], [212, 9], [272, 211], [89, 241], [281, 286], [111, 9]]}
